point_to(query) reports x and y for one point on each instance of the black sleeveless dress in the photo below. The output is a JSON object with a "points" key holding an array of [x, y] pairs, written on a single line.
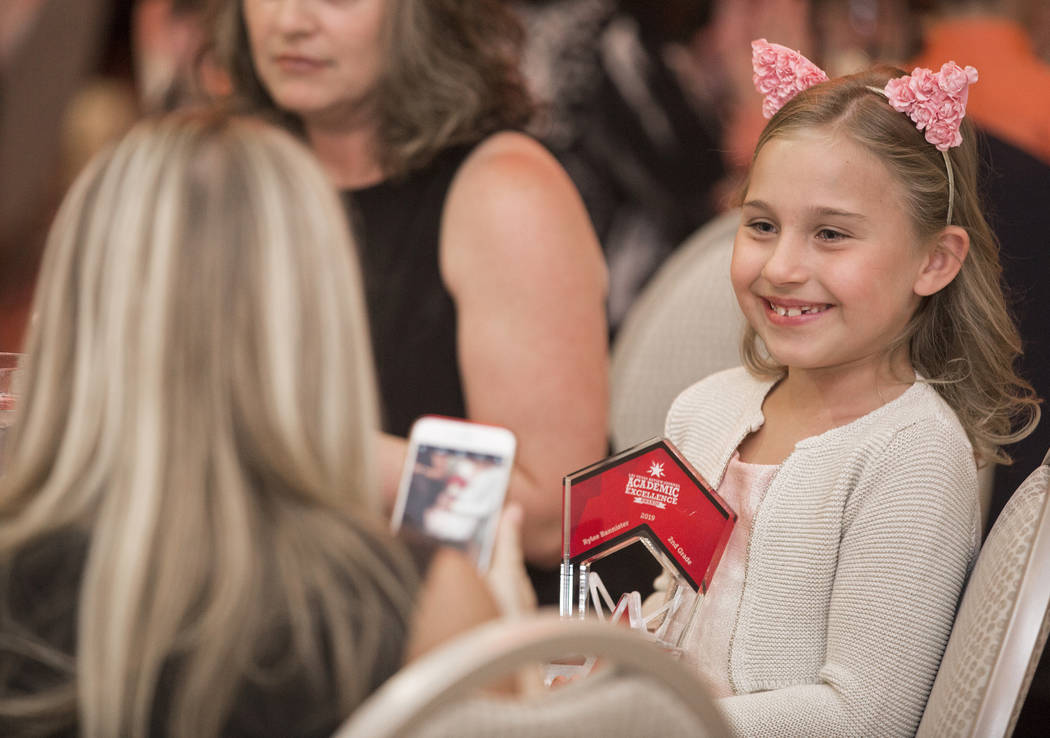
{"points": [[411, 314], [413, 318]]}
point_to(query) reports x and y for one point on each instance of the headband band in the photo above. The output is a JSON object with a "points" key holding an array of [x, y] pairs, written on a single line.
{"points": [[944, 153], [935, 101]]}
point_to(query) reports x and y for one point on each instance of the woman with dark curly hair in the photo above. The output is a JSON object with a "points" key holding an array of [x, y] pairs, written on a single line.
{"points": [[484, 278]]}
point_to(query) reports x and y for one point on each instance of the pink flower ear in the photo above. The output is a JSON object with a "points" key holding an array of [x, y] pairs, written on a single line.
{"points": [[936, 103], [781, 73]]}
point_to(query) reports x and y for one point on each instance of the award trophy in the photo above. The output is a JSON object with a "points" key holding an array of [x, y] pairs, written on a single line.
{"points": [[648, 495]]}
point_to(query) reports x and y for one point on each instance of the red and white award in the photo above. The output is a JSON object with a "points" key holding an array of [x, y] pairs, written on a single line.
{"points": [[648, 494]]}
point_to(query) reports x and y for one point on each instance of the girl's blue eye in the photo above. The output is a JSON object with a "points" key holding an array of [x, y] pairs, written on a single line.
{"points": [[827, 234], [761, 226]]}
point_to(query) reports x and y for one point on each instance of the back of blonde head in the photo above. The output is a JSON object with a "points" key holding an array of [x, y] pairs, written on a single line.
{"points": [[199, 405], [962, 338]]}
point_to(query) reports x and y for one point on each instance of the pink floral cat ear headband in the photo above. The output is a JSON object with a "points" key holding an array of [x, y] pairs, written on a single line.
{"points": [[935, 101]]}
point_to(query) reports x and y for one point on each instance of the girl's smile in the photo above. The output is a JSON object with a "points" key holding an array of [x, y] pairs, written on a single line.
{"points": [[792, 312]]}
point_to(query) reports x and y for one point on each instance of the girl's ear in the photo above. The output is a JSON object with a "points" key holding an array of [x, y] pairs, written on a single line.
{"points": [[943, 261]]}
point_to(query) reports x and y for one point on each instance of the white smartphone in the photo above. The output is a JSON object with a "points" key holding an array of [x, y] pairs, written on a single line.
{"points": [[454, 482]]}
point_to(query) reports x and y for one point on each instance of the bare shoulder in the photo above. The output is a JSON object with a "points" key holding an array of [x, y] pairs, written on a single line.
{"points": [[512, 201], [453, 599], [512, 158]]}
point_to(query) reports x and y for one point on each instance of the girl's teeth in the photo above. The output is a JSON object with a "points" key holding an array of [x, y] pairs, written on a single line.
{"points": [[795, 312]]}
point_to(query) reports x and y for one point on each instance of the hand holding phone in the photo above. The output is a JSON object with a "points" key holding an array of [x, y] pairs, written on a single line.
{"points": [[454, 482], [507, 577]]}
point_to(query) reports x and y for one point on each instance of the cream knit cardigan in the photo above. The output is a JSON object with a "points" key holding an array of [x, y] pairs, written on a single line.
{"points": [[858, 556]]}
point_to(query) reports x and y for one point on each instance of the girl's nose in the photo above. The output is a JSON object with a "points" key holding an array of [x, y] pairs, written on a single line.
{"points": [[787, 261]]}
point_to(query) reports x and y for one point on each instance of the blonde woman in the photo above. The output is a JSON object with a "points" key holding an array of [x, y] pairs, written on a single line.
{"points": [[191, 540]]}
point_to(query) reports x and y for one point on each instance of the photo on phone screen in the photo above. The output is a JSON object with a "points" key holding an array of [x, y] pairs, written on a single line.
{"points": [[454, 483]]}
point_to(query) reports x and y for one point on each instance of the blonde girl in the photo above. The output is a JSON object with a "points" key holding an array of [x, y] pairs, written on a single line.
{"points": [[878, 373]]}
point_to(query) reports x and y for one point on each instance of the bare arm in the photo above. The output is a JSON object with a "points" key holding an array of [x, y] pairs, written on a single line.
{"points": [[392, 450], [522, 263]]}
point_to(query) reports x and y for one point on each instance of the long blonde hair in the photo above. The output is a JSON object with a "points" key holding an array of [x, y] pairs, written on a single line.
{"points": [[962, 339], [198, 407]]}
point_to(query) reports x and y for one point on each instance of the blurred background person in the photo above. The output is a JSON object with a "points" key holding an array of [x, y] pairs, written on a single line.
{"points": [[192, 541], [851, 36], [484, 279], [172, 69], [1035, 15], [16, 20], [1014, 102], [619, 110], [723, 61], [47, 49], [74, 77]]}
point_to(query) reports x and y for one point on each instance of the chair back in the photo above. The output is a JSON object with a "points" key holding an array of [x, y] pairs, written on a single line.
{"points": [[1001, 626], [684, 325], [645, 692]]}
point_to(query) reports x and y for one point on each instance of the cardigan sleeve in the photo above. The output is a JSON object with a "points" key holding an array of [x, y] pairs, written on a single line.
{"points": [[909, 538]]}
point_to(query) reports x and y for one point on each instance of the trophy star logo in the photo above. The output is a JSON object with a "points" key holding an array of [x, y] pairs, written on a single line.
{"points": [[656, 469]]}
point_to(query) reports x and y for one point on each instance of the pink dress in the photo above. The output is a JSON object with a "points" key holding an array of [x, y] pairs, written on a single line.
{"points": [[706, 647]]}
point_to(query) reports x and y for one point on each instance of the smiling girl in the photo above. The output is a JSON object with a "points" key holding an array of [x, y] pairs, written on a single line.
{"points": [[878, 375]]}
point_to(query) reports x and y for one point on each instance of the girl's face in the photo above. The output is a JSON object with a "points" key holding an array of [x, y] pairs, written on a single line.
{"points": [[826, 260], [319, 59]]}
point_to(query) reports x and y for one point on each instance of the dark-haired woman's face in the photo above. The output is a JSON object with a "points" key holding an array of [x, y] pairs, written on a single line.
{"points": [[319, 59]]}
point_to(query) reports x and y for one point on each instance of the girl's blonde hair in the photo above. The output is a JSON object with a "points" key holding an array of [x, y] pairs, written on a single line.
{"points": [[198, 410], [451, 74], [962, 339]]}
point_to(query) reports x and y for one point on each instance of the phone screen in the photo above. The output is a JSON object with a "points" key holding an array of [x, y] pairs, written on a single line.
{"points": [[455, 496]]}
